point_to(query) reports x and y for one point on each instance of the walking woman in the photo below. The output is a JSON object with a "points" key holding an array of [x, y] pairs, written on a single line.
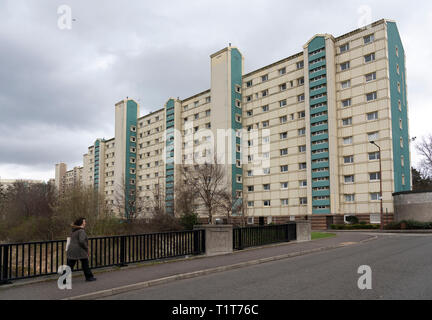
{"points": [[78, 248]]}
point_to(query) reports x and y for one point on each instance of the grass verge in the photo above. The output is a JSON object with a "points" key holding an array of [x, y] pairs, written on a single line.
{"points": [[321, 235]]}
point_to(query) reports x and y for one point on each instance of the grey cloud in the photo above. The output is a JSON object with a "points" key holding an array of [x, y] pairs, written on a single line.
{"points": [[58, 88]]}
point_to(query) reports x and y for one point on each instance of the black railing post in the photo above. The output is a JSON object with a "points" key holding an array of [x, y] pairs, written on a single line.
{"points": [[287, 237], [196, 242], [203, 243], [122, 251], [4, 265], [240, 240]]}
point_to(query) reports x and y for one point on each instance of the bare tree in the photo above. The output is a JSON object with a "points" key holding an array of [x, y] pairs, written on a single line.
{"points": [[424, 148], [230, 205], [155, 201], [185, 199], [125, 201], [207, 182]]}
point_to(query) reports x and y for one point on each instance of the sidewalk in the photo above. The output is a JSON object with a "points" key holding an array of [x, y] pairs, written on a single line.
{"points": [[146, 274]]}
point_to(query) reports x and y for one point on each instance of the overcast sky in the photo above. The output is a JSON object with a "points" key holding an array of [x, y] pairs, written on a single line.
{"points": [[58, 87]]}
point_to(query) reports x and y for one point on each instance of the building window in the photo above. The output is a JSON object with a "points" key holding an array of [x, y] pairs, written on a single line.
{"points": [[264, 77], [303, 201], [370, 76], [284, 168], [374, 155], [345, 66], [346, 103], [282, 71], [349, 179], [369, 57], [403, 179], [284, 202], [265, 124], [345, 84], [282, 87], [133, 128], [266, 203], [372, 116], [284, 152], [397, 69], [283, 135], [284, 185], [375, 196], [369, 38], [302, 131], [344, 48], [250, 188], [264, 93], [300, 81], [347, 122], [250, 220], [300, 98], [349, 198], [300, 65], [347, 140], [374, 176], [302, 149], [349, 159], [282, 103], [301, 114], [283, 119], [302, 166], [303, 183], [402, 161], [373, 136], [371, 96], [250, 204], [401, 142]]}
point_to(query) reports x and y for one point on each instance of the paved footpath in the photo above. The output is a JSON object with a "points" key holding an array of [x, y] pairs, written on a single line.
{"points": [[137, 276]]}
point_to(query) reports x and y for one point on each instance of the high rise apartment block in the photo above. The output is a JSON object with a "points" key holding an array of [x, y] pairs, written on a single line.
{"points": [[301, 137]]}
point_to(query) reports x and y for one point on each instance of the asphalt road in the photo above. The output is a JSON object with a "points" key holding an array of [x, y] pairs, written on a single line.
{"points": [[401, 269]]}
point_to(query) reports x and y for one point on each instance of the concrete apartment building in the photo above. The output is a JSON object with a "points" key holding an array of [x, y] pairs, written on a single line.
{"points": [[298, 132], [65, 179]]}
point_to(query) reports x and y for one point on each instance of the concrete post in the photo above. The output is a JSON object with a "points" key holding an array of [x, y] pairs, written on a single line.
{"points": [[303, 229], [218, 239]]}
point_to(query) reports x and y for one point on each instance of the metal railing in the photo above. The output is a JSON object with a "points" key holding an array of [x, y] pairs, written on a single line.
{"points": [[262, 235], [35, 259]]}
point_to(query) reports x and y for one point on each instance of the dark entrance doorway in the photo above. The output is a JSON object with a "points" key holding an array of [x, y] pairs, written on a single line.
{"points": [[329, 222], [261, 221]]}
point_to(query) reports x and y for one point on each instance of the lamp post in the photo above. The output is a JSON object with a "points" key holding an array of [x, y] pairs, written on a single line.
{"points": [[381, 195]]}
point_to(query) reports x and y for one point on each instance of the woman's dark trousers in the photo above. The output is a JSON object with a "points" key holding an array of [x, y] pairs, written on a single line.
{"points": [[85, 266]]}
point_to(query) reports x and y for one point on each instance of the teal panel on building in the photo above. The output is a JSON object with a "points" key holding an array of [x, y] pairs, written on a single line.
{"points": [[396, 55], [236, 81]]}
